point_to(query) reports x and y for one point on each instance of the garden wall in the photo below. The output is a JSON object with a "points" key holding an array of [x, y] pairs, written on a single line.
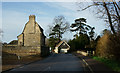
{"points": [[25, 51]]}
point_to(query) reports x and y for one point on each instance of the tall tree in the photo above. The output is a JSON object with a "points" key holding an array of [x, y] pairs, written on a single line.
{"points": [[52, 42], [79, 25], [61, 25], [56, 34], [80, 42], [91, 33]]}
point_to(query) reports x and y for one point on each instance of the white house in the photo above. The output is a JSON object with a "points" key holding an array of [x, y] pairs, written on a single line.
{"points": [[62, 47]]}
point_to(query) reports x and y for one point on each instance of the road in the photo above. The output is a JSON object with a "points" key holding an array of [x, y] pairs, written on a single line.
{"points": [[56, 62]]}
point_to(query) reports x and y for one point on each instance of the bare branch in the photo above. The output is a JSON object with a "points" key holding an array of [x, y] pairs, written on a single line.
{"points": [[117, 5], [87, 7]]}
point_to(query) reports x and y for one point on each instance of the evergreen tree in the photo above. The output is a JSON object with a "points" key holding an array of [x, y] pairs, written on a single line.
{"points": [[59, 28], [79, 25]]}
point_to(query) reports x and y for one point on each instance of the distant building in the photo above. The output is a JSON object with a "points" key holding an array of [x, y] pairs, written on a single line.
{"points": [[32, 34], [62, 47], [14, 42]]}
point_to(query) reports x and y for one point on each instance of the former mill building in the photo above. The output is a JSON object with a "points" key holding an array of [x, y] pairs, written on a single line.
{"points": [[30, 42], [32, 34]]}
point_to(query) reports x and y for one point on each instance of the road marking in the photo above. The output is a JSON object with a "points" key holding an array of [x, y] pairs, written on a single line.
{"points": [[21, 67], [83, 64], [46, 69], [88, 65]]}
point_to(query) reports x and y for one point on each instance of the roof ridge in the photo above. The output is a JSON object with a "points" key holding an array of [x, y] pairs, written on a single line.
{"points": [[61, 43]]}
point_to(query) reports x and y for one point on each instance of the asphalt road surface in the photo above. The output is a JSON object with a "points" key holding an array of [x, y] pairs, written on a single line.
{"points": [[56, 62]]}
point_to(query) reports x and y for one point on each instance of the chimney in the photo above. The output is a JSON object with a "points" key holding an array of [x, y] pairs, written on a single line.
{"points": [[32, 18], [31, 23]]}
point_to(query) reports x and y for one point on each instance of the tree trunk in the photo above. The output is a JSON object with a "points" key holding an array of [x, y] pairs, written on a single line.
{"points": [[59, 35], [109, 18], [117, 15]]}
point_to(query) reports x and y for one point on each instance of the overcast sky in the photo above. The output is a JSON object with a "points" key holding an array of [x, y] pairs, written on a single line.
{"points": [[16, 14]]}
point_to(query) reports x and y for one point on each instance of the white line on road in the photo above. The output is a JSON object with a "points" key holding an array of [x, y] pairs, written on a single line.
{"points": [[88, 65], [46, 69], [21, 66]]}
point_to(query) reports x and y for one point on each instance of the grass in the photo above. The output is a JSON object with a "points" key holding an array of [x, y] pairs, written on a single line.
{"points": [[110, 63]]}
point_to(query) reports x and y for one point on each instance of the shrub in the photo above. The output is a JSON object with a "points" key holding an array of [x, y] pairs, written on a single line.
{"points": [[108, 46]]}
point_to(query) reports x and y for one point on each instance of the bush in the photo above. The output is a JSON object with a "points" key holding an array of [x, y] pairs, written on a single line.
{"points": [[108, 46]]}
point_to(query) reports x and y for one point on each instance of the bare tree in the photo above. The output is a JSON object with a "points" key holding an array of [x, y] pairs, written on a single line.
{"points": [[109, 11]]}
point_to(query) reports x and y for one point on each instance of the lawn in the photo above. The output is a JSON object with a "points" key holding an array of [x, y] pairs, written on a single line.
{"points": [[115, 65]]}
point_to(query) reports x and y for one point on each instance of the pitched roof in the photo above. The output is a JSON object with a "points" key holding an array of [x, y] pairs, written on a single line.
{"points": [[35, 23], [62, 43]]}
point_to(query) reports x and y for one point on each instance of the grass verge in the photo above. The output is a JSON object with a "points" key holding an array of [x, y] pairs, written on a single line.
{"points": [[110, 63]]}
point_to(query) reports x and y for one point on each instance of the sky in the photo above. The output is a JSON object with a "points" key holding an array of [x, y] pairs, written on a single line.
{"points": [[16, 14]]}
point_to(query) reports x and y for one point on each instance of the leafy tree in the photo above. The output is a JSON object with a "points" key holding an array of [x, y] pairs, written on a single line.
{"points": [[52, 42], [56, 32], [54, 36], [83, 40], [80, 42], [72, 44]]}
